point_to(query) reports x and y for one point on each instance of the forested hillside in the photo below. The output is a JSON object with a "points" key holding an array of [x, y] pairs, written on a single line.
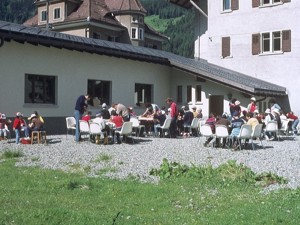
{"points": [[166, 18]]}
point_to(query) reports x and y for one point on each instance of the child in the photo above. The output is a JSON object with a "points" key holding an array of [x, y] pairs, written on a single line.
{"points": [[3, 124], [19, 123], [87, 117]]}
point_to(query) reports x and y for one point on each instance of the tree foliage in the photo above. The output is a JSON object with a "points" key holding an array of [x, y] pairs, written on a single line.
{"points": [[16, 11]]}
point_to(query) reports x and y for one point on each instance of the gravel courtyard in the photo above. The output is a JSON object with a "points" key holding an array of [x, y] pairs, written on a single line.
{"points": [[61, 152]]}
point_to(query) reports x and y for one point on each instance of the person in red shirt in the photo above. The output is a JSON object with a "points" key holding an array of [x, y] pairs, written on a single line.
{"points": [[18, 124], [87, 117], [173, 115], [118, 121], [295, 121]]}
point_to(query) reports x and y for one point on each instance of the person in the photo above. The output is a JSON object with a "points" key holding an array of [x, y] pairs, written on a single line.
{"points": [[104, 112], [173, 116], [179, 121], [131, 112], [211, 121], [231, 106], [104, 127], [187, 120], [87, 116], [80, 108], [252, 105], [199, 114], [244, 117], [118, 121], [274, 104], [39, 116], [34, 125], [18, 124], [122, 111], [223, 120], [295, 121], [236, 125], [237, 107], [3, 124], [195, 113], [159, 119], [251, 120]]}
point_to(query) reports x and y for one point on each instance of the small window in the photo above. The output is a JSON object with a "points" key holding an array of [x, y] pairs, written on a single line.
{"points": [[226, 5], [43, 15], [113, 39], [198, 93], [40, 89], [135, 19], [189, 93], [179, 93], [96, 35], [134, 34], [100, 90], [271, 41], [141, 34], [142, 93], [56, 13]]}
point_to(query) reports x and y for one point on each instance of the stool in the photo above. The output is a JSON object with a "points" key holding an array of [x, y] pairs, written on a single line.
{"points": [[40, 136]]}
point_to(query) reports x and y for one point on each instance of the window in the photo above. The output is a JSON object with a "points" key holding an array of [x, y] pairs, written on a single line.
{"points": [[229, 5], [141, 19], [43, 15], [134, 34], [257, 3], [96, 35], [40, 89], [189, 93], [179, 93], [113, 39], [142, 93], [56, 13], [141, 34], [271, 42], [134, 19], [198, 93], [100, 91], [225, 47]]}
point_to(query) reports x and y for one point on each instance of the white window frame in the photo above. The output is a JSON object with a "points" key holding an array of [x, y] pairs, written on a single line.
{"points": [[271, 39], [54, 11], [43, 13], [135, 19], [134, 33], [141, 95], [271, 3]]}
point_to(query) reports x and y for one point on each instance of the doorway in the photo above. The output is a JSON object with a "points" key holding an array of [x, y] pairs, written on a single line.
{"points": [[216, 104]]}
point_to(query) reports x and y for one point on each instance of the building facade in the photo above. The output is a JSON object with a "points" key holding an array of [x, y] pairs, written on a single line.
{"points": [[112, 20], [256, 37]]}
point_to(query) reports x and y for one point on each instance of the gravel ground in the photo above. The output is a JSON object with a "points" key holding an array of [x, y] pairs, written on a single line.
{"points": [[61, 152]]}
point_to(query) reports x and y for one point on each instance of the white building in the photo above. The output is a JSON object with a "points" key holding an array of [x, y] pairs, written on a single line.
{"points": [[260, 38], [46, 71]]}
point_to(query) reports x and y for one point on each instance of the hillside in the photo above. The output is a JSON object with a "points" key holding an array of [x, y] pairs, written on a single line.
{"points": [[166, 18]]}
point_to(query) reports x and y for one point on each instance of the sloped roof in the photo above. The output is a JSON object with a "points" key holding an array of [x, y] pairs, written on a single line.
{"points": [[202, 69], [125, 5]]}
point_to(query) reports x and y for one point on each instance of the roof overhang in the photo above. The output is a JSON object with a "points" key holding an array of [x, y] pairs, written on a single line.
{"points": [[200, 68], [182, 3]]}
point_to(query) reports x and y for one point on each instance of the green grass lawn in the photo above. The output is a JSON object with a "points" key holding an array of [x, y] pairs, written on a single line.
{"points": [[227, 195]]}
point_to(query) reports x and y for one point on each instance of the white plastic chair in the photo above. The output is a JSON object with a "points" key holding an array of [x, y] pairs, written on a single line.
{"points": [[194, 126], [96, 129], [126, 130], [222, 132], [84, 128], [284, 127], [205, 131], [256, 134], [245, 133], [71, 124], [272, 127], [165, 127], [136, 125]]}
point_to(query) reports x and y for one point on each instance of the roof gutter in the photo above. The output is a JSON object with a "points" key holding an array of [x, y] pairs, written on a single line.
{"points": [[198, 8]]}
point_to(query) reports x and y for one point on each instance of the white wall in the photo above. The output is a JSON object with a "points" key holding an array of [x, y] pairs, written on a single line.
{"points": [[72, 69], [281, 69]]}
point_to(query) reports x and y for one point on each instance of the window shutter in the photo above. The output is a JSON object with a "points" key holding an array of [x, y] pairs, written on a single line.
{"points": [[225, 46], [286, 40], [255, 3], [234, 4], [284, 1], [255, 44]]}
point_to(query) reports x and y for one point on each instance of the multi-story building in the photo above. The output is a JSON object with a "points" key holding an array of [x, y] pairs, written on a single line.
{"points": [[112, 20], [259, 38]]}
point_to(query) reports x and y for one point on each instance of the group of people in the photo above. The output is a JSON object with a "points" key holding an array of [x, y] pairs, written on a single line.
{"points": [[35, 123], [252, 117]]}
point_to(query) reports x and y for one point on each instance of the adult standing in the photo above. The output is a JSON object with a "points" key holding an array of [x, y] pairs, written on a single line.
{"points": [[173, 116], [122, 111], [252, 105], [80, 108]]}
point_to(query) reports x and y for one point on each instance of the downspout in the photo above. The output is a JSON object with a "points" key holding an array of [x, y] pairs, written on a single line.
{"points": [[47, 11], [87, 29]]}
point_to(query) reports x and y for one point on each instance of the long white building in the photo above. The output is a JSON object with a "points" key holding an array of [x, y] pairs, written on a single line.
{"points": [[260, 38]]}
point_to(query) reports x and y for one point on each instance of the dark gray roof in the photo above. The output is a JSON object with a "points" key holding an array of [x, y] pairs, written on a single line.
{"points": [[200, 68]]}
